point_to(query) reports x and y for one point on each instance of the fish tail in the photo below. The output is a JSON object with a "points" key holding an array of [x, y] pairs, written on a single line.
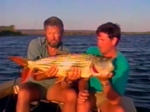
{"points": [[25, 74], [19, 60], [26, 71]]}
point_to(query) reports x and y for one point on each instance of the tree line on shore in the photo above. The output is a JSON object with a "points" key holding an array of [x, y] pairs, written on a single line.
{"points": [[11, 31]]}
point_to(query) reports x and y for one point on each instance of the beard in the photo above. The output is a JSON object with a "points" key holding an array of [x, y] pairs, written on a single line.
{"points": [[54, 44]]}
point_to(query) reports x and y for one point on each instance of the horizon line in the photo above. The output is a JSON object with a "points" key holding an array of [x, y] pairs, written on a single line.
{"points": [[80, 30]]}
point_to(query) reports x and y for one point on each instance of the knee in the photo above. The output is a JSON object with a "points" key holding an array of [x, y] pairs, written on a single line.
{"points": [[112, 108], [84, 107], [70, 95], [119, 109], [24, 94]]}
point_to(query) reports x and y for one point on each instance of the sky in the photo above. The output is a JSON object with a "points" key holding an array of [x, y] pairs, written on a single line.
{"points": [[131, 15]]}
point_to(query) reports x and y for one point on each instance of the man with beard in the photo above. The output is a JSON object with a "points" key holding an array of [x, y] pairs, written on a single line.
{"points": [[42, 86]]}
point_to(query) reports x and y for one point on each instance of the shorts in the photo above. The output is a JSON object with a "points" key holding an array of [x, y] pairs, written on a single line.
{"points": [[100, 98], [126, 102], [42, 86]]}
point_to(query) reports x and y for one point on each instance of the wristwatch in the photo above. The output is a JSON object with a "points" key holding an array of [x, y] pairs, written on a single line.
{"points": [[67, 81]]}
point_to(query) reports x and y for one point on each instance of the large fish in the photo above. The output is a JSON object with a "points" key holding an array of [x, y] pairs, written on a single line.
{"points": [[90, 65]]}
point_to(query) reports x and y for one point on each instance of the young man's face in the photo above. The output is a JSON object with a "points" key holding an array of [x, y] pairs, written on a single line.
{"points": [[53, 35], [104, 43]]}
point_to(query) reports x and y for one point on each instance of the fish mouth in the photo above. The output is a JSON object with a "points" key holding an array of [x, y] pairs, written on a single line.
{"points": [[94, 69]]}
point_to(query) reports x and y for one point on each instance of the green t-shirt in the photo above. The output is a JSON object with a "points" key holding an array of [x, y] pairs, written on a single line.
{"points": [[120, 73]]}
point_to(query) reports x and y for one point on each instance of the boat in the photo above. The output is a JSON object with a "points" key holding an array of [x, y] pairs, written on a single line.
{"points": [[8, 98]]}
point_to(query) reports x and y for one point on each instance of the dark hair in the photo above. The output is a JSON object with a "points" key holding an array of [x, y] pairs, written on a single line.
{"points": [[113, 30], [53, 21]]}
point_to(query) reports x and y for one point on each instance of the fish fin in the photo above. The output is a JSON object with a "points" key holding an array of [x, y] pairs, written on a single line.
{"points": [[26, 71], [59, 79], [19, 60], [25, 74]]}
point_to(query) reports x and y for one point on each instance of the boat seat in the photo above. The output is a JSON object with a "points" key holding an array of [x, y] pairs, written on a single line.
{"points": [[128, 104]]}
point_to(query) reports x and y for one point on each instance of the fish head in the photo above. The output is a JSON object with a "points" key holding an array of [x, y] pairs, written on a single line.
{"points": [[101, 65]]}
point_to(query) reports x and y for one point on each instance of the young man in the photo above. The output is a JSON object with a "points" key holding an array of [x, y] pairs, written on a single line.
{"points": [[105, 91], [42, 86]]}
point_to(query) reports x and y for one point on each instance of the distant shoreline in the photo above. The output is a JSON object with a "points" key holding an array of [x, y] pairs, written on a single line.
{"points": [[74, 32], [10, 33], [22, 32]]}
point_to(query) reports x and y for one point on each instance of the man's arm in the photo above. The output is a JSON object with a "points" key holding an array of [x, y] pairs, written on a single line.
{"points": [[119, 81], [40, 77], [83, 84]]}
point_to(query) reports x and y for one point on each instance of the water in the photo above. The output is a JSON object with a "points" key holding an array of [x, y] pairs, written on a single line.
{"points": [[136, 48]]}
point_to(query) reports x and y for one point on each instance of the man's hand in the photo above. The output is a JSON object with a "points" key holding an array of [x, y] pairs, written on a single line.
{"points": [[82, 96], [73, 74], [50, 73], [104, 78]]}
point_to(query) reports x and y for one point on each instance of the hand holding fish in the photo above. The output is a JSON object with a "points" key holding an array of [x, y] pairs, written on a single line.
{"points": [[50, 73], [73, 74], [82, 96], [104, 78]]}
